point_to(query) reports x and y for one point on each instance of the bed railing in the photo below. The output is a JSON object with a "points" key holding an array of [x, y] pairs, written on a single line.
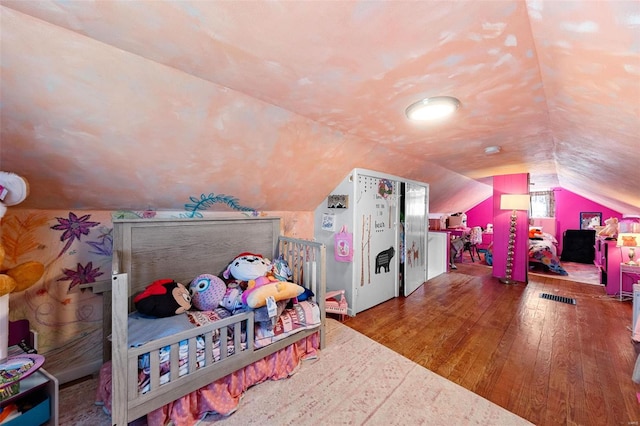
{"points": [[307, 261]]}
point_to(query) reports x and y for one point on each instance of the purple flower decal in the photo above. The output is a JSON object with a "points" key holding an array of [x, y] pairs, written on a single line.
{"points": [[104, 245], [73, 228], [82, 275]]}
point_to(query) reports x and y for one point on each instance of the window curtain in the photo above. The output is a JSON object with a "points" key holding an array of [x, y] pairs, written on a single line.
{"points": [[543, 204]]}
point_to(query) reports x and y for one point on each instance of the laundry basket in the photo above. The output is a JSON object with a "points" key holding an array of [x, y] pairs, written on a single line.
{"points": [[336, 303]]}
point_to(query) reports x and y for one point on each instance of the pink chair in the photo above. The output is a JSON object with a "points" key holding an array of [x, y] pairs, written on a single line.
{"points": [[483, 247]]}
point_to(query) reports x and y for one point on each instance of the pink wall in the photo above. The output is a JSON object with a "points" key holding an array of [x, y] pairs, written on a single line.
{"points": [[510, 184], [481, 214], [568, 208]]}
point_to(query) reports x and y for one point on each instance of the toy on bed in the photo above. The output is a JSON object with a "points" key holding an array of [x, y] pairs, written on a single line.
{"points": [[261, 283], [163, 298], [207, 292], [535, 233]]}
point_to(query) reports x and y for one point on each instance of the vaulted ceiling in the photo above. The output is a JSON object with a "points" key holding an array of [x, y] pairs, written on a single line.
{"points": [[138, 104]]}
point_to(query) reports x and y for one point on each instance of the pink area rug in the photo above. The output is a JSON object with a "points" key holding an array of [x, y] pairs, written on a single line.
{"points": [[354, 381]]}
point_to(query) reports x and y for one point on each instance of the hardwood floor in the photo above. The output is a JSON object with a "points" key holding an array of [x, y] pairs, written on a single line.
{"points": [[549, 362]]}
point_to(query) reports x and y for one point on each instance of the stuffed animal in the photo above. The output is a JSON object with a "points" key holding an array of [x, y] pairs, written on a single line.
{"points": [[163, 298], [281, 270], [610, 228], [247, 266], [535, 233], [232, 299], [261, 284], [207, 291], [13, 190]]}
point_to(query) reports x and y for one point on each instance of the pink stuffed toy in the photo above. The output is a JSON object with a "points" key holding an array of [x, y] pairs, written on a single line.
{"points": [[207, 291], [261, 284]]}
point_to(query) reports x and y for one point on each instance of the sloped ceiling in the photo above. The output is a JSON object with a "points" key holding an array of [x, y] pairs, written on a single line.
{"points": [[138, 104]]}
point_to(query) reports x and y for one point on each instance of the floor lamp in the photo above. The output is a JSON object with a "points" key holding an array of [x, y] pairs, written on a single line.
{"points": [[513, 202]]}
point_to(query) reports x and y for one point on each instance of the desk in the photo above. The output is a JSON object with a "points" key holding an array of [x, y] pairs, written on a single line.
{"points": [[626, 269]]}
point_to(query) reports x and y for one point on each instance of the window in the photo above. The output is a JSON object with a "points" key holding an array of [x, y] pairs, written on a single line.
{"points": [[543, 204]]}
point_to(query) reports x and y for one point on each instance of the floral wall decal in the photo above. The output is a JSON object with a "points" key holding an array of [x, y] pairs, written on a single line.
{"points": [[73, 228], [81, 275]]}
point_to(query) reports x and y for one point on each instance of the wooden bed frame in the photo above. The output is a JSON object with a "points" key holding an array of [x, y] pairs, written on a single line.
{"points": [[149, 249]]}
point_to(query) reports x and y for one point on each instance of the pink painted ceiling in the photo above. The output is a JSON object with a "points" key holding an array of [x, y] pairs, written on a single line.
{"points": [[138, 104]]}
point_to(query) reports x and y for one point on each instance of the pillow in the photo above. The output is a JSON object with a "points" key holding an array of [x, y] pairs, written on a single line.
{"points": [[279, 290]]}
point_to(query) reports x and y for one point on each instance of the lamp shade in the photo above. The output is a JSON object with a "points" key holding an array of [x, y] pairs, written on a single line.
{"points": [[514, 202], [628, 240]]}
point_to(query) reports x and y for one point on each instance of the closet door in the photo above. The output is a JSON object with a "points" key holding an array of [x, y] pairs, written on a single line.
{"points": [[376, 241], [415, 230]]}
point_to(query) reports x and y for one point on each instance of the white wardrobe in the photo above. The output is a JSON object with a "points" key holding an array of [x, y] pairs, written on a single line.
{"points": [[388, 216]]}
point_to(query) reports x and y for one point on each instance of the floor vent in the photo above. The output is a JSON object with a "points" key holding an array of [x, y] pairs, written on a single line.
{"points": [[558, 298]]}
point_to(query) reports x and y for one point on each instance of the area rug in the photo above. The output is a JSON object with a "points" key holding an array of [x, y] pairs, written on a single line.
{"points": [[585, 273], [355, 381], [578, 272]]}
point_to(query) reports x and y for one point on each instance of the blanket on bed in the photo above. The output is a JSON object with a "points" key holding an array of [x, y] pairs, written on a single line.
{"points": [[223, 395], [543, 250]]}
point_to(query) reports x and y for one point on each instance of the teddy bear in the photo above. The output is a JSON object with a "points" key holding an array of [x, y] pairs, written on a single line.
{"points": [[20, 277], [13, 190], [610, 228]]}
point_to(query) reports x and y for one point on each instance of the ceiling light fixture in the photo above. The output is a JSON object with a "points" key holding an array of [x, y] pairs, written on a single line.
{"points": [[494, 149], [432, 108]]}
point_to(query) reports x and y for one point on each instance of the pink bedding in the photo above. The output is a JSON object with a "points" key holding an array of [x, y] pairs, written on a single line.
{"points": [[223, 395]]}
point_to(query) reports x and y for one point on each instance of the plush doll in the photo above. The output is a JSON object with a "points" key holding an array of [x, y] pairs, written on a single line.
{"points": [[261, 284], [535, 233], [281, 270], [20, 277], [207, 291], [247, 266], [610, 228], [232, 299], [13, 190], [163, 298]]}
